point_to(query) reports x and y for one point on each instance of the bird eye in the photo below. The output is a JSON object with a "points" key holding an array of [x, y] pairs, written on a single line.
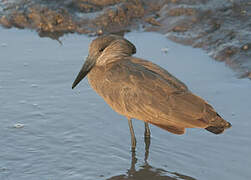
{"points": [[101, 49]]}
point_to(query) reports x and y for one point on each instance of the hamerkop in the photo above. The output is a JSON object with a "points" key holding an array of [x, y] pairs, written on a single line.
{"points": [[140, 89]]}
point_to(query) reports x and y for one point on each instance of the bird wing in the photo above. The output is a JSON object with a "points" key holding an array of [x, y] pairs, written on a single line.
{"points": [[142, 90], [162, 72]]}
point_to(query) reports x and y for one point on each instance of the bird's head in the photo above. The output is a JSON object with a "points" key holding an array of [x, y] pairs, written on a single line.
{"points": [[102, 50]]}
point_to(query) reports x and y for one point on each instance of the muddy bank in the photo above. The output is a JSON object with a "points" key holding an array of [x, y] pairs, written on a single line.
{"points": [[222, 28]]}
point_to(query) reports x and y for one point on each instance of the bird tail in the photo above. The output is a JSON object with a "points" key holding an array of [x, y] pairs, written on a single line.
{"points": [[218, 125]]}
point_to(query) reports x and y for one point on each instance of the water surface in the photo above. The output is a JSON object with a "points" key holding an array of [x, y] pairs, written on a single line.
{"points": [[50, 132]]}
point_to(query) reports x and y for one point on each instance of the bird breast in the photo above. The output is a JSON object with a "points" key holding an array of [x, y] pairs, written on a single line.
{"points": [[109, 91]]}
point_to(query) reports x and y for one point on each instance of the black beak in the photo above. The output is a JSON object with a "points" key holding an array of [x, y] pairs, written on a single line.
{"points": [[88, 65]]}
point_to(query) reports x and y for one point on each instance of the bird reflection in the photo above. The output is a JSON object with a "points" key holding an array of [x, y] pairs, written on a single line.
{"points": [[51, 35], [147, 172]]}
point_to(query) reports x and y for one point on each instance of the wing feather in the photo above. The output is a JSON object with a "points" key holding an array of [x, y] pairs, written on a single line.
{"points": [[142, 90]]}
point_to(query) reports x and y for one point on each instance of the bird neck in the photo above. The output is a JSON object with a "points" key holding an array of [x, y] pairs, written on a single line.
{"points": [[107, 58]]}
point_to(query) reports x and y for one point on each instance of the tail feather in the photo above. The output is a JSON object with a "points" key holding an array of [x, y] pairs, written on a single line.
{"points": [[218, 125]]}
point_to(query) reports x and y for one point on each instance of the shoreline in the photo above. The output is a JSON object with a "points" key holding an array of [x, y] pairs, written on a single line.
{"points": [[219, 28]]}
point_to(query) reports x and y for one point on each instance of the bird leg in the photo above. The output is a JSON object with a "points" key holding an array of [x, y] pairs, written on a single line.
{"points": [[133, 139], [147, 130], [147, 146], [132, 171]]}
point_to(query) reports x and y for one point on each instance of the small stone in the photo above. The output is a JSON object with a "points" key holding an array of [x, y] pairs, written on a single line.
{"points": [[70, 27], [243, 12], [18, 125], [5, 22], [59, 19], [100, 32], [245, 47], [180, 28], [152, 21], [249, 75], [165, 50]]}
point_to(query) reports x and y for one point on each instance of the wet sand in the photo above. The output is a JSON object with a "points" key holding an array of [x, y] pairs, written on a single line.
{"points": [[49, 131]]}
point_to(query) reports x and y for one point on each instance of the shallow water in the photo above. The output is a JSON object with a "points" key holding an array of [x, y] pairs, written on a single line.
{"points": [[50, 132]]}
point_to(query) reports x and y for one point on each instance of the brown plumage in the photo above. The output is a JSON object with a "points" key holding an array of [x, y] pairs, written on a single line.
{"points": [[139, 89]]}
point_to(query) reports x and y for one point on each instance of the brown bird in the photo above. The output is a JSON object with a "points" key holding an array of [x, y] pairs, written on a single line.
{"points": [[140, 89]]}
